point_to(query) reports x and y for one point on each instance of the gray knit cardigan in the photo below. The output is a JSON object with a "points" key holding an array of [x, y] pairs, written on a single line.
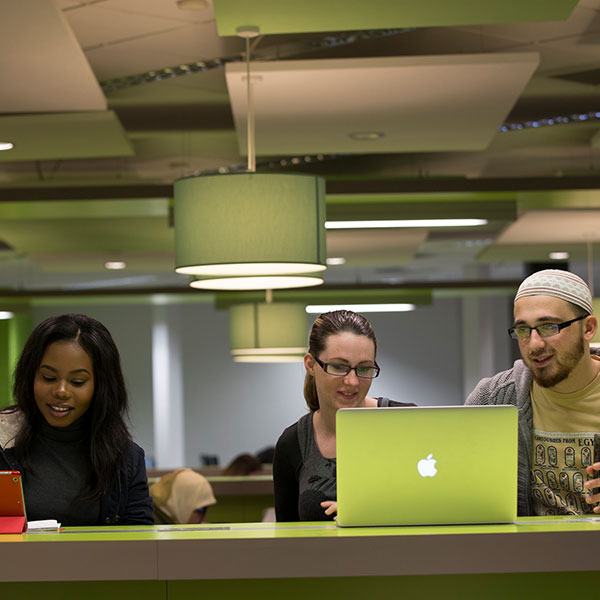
{"points": [[512, 387]]}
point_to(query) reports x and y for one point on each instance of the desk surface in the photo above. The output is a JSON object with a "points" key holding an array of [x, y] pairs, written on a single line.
{"points": [[283, 550]]}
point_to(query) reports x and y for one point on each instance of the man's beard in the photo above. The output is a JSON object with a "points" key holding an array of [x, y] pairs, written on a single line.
{"points": [[560, 370]]}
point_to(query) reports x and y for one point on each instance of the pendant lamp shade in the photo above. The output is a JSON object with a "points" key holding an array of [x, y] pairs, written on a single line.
{"points": [[262, 282], [261, 332], [250, 224]]}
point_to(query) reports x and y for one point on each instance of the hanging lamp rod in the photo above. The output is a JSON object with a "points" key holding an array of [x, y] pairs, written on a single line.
{"points": [[249, 32]]}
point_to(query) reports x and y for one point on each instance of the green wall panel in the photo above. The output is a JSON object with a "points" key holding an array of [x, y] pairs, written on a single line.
{"points": [[85, 590], [448, 587]]}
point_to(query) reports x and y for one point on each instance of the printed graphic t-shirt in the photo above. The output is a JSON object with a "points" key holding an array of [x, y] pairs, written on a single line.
{"points": [[564, 426]]}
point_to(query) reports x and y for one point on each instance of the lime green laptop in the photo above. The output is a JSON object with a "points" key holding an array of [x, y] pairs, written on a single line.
{"points": [[429, 465]]}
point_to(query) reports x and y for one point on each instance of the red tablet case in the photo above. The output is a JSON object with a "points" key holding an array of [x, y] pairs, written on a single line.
{"points": [[12, 505]]}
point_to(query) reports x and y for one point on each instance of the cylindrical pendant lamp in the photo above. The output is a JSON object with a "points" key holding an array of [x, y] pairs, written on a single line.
{"points": [[266, 332], [263, 282], [250, 224]]}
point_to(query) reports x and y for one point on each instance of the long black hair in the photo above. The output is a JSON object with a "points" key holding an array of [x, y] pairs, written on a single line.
{"points": [[331, 323], [108, 432]]}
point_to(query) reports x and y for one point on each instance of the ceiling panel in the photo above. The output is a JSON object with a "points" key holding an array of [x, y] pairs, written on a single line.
{"points": [[196, 88], [80, 236], [418, 104], [63, 135], [43, 67], [547, 30], [536, 253], [387, 247], [553, 226], [275, 16]]}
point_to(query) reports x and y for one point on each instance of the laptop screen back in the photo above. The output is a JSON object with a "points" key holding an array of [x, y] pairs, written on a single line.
{"points": [[426, 465]]}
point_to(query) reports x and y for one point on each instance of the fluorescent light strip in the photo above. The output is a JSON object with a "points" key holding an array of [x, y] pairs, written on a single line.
{"points": [[558, 255], [269, 358], [5, 314], [338, 260], [317, 309], [255, 351], [115, 264], [404, 223]]}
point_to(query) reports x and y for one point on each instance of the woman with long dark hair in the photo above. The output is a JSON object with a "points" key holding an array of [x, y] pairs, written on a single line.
{"points": [[67, 432], [340, 366]]}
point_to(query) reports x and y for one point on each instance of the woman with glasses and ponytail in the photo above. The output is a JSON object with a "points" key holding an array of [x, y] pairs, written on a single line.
{"points": [[340, 365]]}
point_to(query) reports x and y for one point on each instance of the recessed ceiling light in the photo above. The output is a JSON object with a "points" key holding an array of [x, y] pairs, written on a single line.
{"points": [[317, 309], [115, 265], [404, 223], [361, 136], [336, 261], [6, 146], [558, 255]]}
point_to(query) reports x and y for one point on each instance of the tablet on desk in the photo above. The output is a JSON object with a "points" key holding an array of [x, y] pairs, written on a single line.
{"points": [[13, 518]]}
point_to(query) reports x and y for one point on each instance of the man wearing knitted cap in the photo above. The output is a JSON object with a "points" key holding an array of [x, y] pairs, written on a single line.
{"points": [[556, 388]]}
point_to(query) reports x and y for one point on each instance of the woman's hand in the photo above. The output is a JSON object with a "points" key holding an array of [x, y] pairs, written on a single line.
{"points": [[330, 507]]}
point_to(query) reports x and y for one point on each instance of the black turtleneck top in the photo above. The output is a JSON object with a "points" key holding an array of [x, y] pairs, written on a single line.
{"points": [[60, 470]]}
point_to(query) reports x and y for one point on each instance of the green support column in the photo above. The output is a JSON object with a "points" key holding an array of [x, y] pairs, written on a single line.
{"points": [[13, 334], [5, 370]]}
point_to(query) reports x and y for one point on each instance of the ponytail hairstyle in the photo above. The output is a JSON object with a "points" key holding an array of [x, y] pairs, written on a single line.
{"points": [[108, 433], [327, 324]]}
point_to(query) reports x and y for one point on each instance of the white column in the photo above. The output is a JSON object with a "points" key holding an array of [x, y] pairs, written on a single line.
{"points": [[478, 342], [167, 392]]}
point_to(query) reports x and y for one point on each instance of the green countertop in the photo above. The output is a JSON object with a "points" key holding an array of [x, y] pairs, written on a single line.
{"points": [[317, 529], [297, 550]]}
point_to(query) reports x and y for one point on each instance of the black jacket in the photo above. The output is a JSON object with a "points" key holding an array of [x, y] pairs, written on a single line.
{"points": [[126, 500]]}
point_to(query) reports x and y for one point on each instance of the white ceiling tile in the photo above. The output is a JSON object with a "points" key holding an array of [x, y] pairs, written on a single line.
{"points": [[198, 88], [159, 50], [387, 247], [419, 104], [43, 68], [560, 226]]}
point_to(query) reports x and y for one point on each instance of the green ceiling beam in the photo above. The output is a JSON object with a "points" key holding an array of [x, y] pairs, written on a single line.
{"points": [[559, 199], [290, 16], [81, 209], [373, 295]]}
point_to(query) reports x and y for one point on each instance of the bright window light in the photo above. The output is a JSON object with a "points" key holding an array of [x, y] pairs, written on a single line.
{"points": [[391, 224], [317, 309]]}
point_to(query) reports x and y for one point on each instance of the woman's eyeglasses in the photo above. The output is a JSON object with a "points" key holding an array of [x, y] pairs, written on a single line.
{"points": [[340, 370]]}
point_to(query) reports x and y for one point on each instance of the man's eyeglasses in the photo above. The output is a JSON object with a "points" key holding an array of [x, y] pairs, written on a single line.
{"points": [[340, 370], [544, 330]]}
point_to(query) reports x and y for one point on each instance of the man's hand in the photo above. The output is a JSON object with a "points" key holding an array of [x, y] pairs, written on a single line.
{"points": [[330, 506], [594, 471]]}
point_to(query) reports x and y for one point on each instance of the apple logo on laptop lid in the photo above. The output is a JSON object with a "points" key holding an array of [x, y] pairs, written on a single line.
{"points": [[426, 466]]}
